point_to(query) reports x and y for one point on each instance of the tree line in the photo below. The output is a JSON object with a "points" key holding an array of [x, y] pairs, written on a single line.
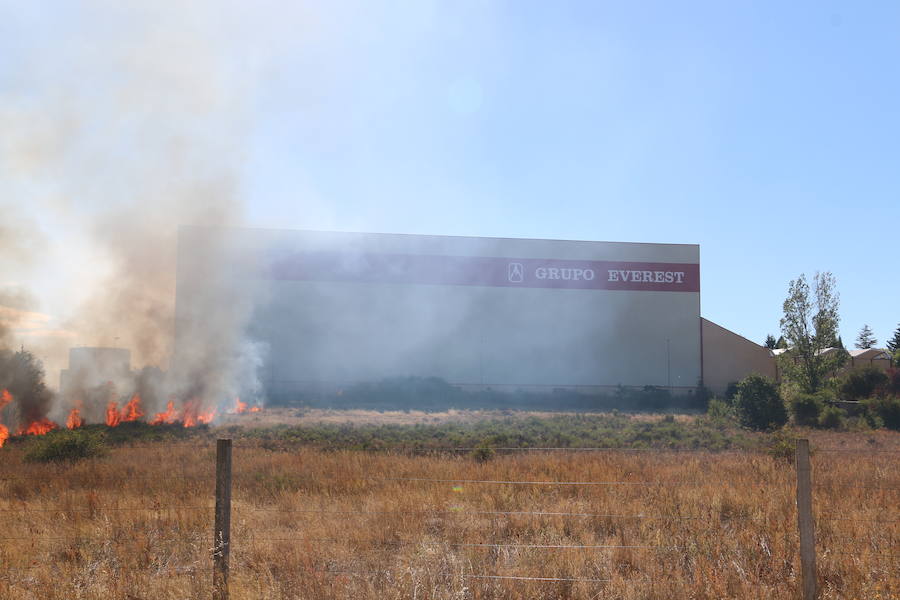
{"points": [[811, 381]]}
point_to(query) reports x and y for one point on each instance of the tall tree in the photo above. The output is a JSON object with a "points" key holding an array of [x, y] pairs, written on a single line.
{"points": [[781, 344], [809, 326], [893, 344], [865, 339], [770, 342]]}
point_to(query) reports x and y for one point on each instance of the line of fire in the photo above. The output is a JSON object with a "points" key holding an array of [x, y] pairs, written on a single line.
{"points": [[99, 387]]}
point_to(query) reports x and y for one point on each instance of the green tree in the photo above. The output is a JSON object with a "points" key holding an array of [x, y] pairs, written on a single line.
{"points": [[781, 344], [758, 404], [865, 339], [893, 344], [863, 383], [22, 373], [770, 342], [809, 326]]}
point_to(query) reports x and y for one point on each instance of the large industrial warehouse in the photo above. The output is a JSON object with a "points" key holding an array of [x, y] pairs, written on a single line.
{"points": [[520, 314]]}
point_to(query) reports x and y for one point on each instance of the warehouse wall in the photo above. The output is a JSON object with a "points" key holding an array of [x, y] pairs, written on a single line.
{"points": [[340, 307]]}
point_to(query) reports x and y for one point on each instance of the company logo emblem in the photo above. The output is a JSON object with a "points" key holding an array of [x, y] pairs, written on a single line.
{"points": [[516, 273]]}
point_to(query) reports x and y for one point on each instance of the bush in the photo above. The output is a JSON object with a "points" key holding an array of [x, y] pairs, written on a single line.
{"points": [[863, 383], [782, 445], [62, 446], [720, 409], [482, 452], [806, 409], [831, 417], [758, 404], [731, 390], [893, 384], [884, 411]]}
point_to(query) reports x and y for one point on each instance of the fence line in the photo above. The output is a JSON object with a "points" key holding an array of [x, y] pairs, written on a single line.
{"points": [[498, 513], [854, 520], [504, 482], [60, 538], [850, 486], [854, 451], [114, 479], [103, 509], [519, 578], [862, 546], [469, 545], [403, 512]]}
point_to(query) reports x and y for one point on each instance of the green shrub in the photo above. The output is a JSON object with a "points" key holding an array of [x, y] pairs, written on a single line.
{"points": [[782, 445], [863, 383], [758, 404], [806, 409], [482, 452], [59, 446], [720, 409], [832, 417], [731, 391], [883, 411], [858, 424], [893, 384]]}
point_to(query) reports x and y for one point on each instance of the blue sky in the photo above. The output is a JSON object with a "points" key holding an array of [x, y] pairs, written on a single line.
{"points": [[766, 132]]}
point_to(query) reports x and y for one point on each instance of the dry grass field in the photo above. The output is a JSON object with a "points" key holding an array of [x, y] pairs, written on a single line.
{"points": [[317, 524]]}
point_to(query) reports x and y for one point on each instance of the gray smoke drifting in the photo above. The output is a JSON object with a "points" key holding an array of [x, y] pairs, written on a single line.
{"points": [[129, 126]]}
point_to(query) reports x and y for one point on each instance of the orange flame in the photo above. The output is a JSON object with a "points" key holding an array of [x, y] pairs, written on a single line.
{"points": [[240, 407], [40, 427], [189, 413], [5, 398], [132, 410], [206, 418], [74, 421], [112, 415], [254, 409], [165, 417]]}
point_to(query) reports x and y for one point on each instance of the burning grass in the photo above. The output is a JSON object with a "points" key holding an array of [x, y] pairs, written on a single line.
{"points": [[188, 416], [309, 523]]}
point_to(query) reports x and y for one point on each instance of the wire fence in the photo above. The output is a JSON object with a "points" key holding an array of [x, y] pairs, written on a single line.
{"points": [[879, 513]]}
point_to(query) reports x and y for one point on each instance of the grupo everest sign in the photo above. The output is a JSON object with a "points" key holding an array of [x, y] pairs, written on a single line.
{"points": [[486, 271]]}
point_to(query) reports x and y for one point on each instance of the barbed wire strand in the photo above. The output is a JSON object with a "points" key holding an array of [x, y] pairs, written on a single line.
{"points": [[850, 486], [493, 512], [111, 478], [856, 520], [514, 482], [467, 545], [104, 509]]}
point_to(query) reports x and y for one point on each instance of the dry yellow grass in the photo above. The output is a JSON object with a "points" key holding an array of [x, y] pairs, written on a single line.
{"points": [[138, 524]]}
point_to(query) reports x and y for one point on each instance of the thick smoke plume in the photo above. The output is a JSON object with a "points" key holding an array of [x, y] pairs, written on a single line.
{"points": [[131, 126]]}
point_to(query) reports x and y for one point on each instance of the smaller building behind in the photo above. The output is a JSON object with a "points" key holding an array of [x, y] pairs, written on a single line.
{"points": [[729, 357], [93, 366]]}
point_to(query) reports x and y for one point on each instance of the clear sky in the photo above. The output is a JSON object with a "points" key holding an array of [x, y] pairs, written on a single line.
{"points": [[767, 132]]}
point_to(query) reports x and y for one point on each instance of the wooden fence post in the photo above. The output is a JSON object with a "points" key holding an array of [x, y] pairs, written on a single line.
{"points": [[222, 533], [805, 521]]}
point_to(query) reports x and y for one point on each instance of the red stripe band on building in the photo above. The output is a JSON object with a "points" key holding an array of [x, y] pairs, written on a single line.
{"points": [[487, 271]]}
